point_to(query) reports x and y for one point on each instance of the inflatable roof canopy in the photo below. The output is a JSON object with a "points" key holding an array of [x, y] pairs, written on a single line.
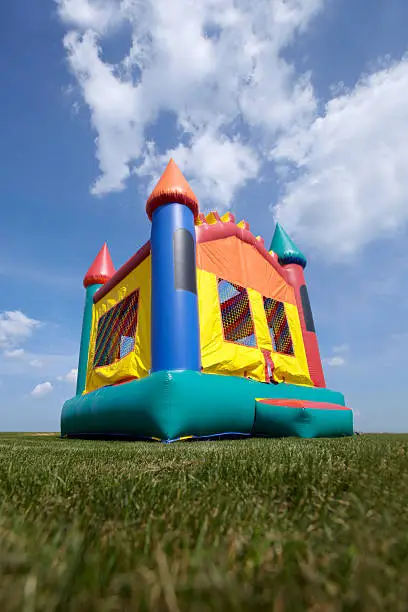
{"points": [[203, 332]]}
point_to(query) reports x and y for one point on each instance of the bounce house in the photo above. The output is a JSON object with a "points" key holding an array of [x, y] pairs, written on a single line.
{"points": [[203, 332]]}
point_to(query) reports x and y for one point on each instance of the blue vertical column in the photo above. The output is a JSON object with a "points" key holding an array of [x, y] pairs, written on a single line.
{"points": [[175, 326]]}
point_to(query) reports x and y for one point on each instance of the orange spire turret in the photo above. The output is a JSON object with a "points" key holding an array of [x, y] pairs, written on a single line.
{"points": [[101, 270], [172, 187]]}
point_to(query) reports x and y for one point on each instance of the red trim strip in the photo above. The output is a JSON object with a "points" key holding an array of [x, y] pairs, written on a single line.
{"points": [[123, 271], [293, 403], [204, 233], [124, 381]]}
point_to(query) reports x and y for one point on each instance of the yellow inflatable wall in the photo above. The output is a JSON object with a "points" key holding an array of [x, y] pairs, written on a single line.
{"points": [[136, 364], [229, 259], [238, 262]]}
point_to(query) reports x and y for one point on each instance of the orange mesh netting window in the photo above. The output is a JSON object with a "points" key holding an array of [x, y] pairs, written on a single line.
{"points": [[236, 315]]}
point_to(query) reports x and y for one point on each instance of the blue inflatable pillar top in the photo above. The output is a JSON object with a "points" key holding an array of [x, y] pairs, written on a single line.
{"points": [[98, 274], [175, 337]]}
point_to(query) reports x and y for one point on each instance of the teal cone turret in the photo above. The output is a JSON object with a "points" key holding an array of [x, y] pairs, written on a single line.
{"points": [[285, 248]]}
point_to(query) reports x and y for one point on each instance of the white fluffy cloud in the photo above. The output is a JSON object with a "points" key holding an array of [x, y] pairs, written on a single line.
{"points": [[242, 109], [15, 327], [222, 164], [21, 355], [214, 64], [115, 109], [335, 361], [42, 389], [83, 14], [352, 182], [338, 358], [70, 377], [341, 348], [35, 363], [14, 353]]}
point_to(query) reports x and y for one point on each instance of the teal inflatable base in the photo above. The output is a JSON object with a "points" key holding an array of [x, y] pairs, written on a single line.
{"points": [[174, 405]]}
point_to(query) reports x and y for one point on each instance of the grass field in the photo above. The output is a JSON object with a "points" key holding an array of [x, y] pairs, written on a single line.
{"points": [[277, 525]]}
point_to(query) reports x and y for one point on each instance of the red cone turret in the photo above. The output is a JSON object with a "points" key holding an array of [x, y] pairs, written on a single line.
{"points": [[101, 270], [172, 188]]}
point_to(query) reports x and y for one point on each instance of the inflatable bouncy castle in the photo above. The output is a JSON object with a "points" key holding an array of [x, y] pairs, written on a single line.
{"points": [[203, 332]]}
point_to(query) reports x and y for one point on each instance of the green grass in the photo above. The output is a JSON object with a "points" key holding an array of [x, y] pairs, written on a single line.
{"points": [[277, 525]]}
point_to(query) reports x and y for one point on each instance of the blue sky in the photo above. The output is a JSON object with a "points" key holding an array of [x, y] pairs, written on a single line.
{"points": [[295, 110]]}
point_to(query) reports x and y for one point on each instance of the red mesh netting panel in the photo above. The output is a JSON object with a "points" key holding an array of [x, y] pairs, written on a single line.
{"points": [[116, 331], [236, 314], [278, 326]]}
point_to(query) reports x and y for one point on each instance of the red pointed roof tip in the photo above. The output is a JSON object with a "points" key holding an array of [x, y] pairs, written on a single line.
{"points": [[172, 187], [101, 270]]}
